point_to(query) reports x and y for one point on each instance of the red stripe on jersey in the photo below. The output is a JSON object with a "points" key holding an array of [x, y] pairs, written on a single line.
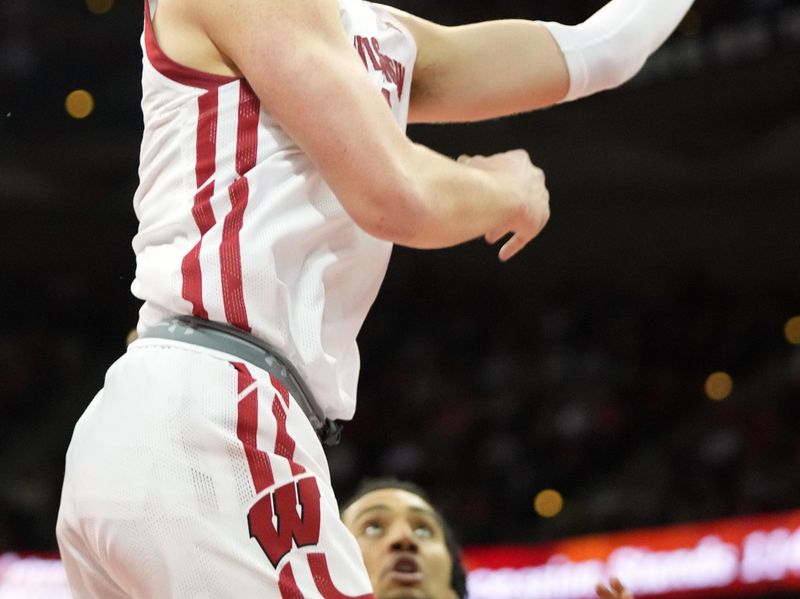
{"points": [[280, 388], [322, 578], [208, 116], [284, 444], [171, 69], [245, 378], [247, 431], [288, 585], [239, 191], [247, 134], [205, 165], [230, 256]]}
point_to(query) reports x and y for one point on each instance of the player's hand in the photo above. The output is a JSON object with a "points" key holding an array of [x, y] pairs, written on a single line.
{"points": [[530, 210], [614, 590]]}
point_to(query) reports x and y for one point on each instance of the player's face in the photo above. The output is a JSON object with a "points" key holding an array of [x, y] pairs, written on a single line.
{"points": [[403, 545]]}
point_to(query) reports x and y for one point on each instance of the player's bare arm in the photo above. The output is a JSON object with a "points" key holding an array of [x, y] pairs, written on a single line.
{"points": [[483, 70], [392, 188], [498, 68]]}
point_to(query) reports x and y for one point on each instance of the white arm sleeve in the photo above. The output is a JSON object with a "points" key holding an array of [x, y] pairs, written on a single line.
{"points": [[612, 45]]}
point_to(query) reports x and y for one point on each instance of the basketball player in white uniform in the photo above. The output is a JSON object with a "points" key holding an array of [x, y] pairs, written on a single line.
{"points": [[275, 176]]}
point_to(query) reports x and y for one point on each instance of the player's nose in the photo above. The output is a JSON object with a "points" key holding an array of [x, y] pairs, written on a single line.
{"points": [[401, 538]]}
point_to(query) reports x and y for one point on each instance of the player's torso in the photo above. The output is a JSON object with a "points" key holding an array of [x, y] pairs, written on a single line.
{"points": [[237, 225]]}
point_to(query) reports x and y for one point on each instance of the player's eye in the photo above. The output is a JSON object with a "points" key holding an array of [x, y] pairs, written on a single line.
{"points": [[423, 531], [373, 529]]}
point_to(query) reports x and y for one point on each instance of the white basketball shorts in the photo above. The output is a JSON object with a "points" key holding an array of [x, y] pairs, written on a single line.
{"points": [[195, 475]]}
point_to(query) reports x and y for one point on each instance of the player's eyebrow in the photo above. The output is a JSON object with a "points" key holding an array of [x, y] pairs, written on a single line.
{"points": [[381, 507]]}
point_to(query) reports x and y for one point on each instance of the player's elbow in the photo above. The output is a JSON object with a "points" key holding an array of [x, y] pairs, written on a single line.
{"points": [[392, 211]]}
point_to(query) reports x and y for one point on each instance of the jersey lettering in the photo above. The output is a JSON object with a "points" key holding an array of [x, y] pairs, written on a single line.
{"points": [[323, 581], [365, 51], [392, 70], [369, 49], [275, 522]]}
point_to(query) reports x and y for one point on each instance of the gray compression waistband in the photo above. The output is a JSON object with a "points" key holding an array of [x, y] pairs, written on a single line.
{"points": [[213, 335]]}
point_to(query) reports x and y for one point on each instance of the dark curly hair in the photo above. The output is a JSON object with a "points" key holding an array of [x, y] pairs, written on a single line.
{"points": [[458, 574]]}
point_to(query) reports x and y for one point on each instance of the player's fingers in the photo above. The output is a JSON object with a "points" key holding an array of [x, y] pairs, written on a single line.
{"points": [[619, 590], [493, 237], [513, 246], [603, 592], [463, 159]]}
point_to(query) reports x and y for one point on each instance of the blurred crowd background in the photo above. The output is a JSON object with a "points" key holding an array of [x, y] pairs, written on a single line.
{"points": [[642, 357]]}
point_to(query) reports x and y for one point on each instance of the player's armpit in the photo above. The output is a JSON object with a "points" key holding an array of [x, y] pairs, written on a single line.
{"points": [[484, 70], [298, 60]]}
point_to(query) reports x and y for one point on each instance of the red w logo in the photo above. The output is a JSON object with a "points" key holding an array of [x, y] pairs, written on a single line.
{"points": [[275, 527]]}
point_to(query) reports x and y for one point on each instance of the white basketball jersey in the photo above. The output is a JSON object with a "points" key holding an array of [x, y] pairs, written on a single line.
{"points": [[236, 225]]}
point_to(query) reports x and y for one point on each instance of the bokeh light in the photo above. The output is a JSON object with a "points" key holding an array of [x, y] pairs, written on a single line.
{"points": [[548, 503], [719, 386], [99, 7], [792, 330], [79, 104]]}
